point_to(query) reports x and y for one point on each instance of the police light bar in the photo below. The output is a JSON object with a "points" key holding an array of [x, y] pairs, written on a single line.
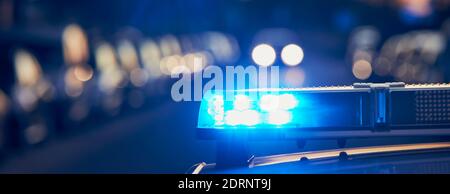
{"points": [[360, 110]]}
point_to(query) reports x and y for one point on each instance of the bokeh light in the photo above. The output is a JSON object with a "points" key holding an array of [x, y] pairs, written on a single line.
{"points": [[128, 55], [73, 86], [150, 56], [138, 77], [27, 68], [75, 45], [264, 55], [223, 47], [111, 76], [195, 62], [105, 57], [294, 77], [169, 45], [83, 73], [292, 55], [362, 69], [36, 133], [31, 84]]}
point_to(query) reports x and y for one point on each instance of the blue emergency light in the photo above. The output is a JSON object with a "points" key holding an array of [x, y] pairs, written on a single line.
{"points": [[246, 111], [363, 109]]}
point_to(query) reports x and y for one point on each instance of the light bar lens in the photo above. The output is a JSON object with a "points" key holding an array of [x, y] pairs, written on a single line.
{"points": [[242, 102], [285, 109], [247, 111], [245, 117], [331, 111], [279, 117]]}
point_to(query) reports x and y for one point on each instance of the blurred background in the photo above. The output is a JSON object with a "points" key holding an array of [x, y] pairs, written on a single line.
{"points": [[85, 85]]}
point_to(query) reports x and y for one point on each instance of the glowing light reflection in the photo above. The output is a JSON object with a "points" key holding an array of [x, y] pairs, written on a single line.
{"points": [[264, 55], [279, 117], [292, 54]]}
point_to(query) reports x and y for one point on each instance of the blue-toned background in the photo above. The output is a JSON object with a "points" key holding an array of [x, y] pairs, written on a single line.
{"points": [[85, 85]]}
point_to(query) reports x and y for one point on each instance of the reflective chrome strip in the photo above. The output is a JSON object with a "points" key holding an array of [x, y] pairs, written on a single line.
{"points": [[199, 168], [283, 158]]}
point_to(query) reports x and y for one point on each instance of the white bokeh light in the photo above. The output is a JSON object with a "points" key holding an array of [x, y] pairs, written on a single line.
{"points": [[292, 54], [264, 55]]}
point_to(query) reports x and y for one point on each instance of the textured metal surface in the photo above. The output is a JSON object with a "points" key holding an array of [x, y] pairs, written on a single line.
{"points": [[432, 106]]}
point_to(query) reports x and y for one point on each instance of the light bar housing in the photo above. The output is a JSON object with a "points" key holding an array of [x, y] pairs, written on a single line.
{"points": [[360, 110]]}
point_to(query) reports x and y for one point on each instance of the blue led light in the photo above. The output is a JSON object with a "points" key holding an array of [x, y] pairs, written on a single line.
{"points": [[246, 117], [218, 101], [279, 117], [264, 110], [216, 109], [242, 102], [232, 117], [287, 101], [269, 102], [285, 109], [250, 117]]}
